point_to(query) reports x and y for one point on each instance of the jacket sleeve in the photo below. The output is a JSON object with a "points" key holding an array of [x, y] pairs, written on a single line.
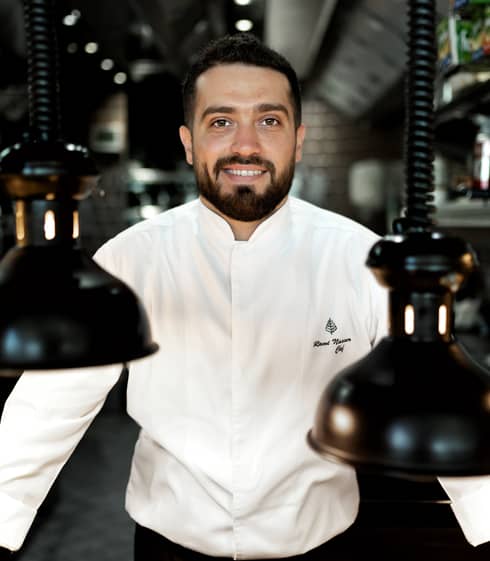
{"points": [[470, 502], [379, 302], [44, 418], [380, 310]]}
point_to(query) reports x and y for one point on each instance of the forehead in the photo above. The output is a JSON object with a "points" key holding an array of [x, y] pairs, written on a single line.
{"points": [[241, 84]]}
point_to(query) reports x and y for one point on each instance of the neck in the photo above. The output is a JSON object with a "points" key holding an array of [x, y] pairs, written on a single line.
{"points": [[241, 230]]}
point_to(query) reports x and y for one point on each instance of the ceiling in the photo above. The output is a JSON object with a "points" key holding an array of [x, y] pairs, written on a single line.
{"points": [[350, 53]]}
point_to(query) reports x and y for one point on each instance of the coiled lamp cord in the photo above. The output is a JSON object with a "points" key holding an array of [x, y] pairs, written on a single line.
{"points": [[419, 130], [42, 71]]}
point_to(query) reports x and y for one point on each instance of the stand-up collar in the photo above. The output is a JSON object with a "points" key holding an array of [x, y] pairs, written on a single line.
{"points": [[213, 225]]}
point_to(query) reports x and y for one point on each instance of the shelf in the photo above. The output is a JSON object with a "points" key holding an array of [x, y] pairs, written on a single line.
{"points": [[153, 176], [472, 100], [463, 213], [455, 144]]}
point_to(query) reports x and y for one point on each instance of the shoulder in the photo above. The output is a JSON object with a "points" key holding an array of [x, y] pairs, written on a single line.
{"points": [[154, 228], [328, 224], [137, 242]]}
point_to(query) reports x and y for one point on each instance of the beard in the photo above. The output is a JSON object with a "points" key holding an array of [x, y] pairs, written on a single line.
{"points": [[244, 203]]}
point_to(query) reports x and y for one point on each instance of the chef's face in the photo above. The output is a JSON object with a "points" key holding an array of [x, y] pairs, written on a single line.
{"points": [[243, 142]]}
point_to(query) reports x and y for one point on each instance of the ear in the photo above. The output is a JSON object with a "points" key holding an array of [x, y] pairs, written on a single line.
{"points": [[186, 139], [300, 136]]}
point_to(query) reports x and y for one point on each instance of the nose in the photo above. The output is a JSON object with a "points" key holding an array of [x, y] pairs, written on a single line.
{"points": [[245, 141]]}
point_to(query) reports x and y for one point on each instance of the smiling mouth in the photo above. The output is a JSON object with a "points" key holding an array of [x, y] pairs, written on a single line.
{"points": [[244, 172]]}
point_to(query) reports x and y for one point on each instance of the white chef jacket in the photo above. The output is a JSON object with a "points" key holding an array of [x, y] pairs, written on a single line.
{"points": [[249, 333]]}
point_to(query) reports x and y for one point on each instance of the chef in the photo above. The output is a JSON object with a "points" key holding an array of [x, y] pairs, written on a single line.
{"points": [[249, 291]]}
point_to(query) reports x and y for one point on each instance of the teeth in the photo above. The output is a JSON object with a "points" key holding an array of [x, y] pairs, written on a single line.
{"points": [[244, 172]]}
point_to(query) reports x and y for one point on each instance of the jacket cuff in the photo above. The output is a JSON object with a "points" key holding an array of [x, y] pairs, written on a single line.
{"points": [[472, 511], [15, 520]]}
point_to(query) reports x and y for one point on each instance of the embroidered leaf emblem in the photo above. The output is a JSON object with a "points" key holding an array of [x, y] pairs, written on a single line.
{"points": [[330, 327]]}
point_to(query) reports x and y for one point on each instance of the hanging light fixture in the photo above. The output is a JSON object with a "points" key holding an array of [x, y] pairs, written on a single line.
{"points": [[59, 309], [417, 405]]}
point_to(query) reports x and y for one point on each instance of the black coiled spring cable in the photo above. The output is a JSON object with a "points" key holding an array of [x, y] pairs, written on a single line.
{"points": [[42, 71], [419, 120]]}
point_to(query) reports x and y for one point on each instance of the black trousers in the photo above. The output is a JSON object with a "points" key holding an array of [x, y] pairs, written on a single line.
{"points": [[150, 546], [358, 543]]}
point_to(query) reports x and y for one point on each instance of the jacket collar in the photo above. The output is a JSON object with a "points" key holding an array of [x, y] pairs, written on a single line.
{"points": [[212, 225]]}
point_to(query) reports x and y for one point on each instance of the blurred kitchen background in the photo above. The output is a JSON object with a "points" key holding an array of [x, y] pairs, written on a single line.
{"points": [[122, 63]]}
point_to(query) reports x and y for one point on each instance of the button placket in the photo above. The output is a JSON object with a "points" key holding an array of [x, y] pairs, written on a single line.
{"points": [[236, 279]]}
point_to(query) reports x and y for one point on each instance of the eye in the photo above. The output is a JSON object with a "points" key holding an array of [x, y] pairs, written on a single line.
{"points": [[220, 123], [270, 121]]}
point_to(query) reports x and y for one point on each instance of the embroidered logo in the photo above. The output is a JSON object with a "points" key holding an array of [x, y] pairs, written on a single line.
{"points": [[336, 343], [330, 327]]}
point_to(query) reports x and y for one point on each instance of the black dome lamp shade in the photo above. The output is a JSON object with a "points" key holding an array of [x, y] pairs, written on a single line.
{"points": [[59, 309], [417, 405]]}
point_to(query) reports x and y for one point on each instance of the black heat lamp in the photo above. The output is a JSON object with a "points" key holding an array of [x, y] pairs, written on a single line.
{"points": [[59, 309], [417, 405]]}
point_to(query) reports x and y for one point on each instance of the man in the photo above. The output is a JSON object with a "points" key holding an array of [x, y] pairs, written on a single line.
{"points": [[248, 291]]}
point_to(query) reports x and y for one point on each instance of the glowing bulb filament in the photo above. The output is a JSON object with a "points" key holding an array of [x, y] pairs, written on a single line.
{"points": [[19, 220], [49, 225], [409, 320], [442, 320], [76, 225]]}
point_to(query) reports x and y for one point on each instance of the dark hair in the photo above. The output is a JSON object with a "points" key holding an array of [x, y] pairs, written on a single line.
{"points": [[242, 48]]}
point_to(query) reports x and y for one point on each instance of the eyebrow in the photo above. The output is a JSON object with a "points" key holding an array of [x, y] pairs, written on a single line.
{"points": [[212, 109], [265, 107], [261, 108]]}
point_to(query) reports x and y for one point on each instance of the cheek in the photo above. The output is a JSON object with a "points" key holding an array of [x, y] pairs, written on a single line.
{"points": [[208, 149], [287, 156], [280, 147]]}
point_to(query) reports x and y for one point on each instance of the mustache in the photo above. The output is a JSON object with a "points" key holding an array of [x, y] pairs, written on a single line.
{"points": [[251, 160]]}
